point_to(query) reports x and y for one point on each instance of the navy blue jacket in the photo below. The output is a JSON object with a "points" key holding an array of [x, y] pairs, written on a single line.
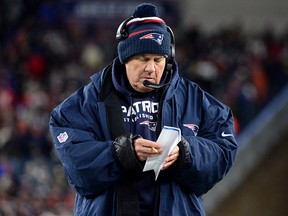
{"points": [[82, 138]]}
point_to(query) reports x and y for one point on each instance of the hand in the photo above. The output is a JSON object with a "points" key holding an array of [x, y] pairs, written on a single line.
{"points": [[143, 148], [124, 152], [171, 158]]}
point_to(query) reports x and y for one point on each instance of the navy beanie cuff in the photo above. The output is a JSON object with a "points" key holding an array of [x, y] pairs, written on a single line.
{"points": [[134, 45]]}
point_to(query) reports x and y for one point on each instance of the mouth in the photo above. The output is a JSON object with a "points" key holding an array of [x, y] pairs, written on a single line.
{"points": [[148, 78]]}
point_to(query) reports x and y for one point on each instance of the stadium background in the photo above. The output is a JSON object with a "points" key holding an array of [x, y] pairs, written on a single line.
{"points": [[237, 51]]}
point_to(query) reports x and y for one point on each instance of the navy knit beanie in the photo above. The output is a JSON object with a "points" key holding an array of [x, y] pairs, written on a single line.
{"points": [[147, 34]]}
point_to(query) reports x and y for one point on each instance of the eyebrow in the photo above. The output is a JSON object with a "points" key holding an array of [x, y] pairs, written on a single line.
{"points": [[154, 56]]}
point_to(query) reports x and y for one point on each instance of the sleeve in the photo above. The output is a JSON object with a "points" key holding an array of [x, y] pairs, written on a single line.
{"points": [[87, 159], [212, 152]]}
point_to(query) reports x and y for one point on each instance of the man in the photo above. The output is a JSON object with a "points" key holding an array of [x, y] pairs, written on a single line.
{"points": [[106, 130]]}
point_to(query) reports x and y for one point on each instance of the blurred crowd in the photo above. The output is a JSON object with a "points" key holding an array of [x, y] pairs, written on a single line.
{"points": [[44, 58]]}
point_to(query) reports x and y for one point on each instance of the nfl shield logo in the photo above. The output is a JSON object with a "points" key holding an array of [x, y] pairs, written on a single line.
{"points": [[62, 137]]}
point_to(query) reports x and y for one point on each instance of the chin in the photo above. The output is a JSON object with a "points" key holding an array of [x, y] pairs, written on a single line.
{"points": [[143, 89]]}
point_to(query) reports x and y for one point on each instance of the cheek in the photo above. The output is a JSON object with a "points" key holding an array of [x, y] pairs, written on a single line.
{"points": [[160, 73], [132, 76]]}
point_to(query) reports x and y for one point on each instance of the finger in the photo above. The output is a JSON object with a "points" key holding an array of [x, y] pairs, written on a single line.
{"points": [[147, 146], [172, 157], [167, 165], [175, 151], [169, 161], [143, 152]]}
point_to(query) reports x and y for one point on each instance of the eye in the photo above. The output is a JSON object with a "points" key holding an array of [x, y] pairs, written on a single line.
{"points": [[159, 59], [142, 58]]}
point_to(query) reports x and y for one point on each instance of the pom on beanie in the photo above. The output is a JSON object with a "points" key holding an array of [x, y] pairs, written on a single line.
{"points": [[145, 10], [147, 34]]}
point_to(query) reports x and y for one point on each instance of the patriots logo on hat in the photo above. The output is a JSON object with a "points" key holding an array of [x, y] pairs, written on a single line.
{"points": [[193, 127], [154, 36]]}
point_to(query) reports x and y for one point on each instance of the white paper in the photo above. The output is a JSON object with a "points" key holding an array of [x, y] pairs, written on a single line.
{"points": [[168, 138]]}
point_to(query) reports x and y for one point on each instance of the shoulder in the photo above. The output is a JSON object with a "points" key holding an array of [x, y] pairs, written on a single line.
{"points": [[190, 91], [186, 87], [77, 110]]}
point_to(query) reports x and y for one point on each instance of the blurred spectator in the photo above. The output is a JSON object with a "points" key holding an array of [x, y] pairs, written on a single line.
{"points": [[44, 58]]}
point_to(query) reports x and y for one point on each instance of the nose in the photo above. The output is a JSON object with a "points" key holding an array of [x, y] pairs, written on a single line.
{"points": [[150, 66]]}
